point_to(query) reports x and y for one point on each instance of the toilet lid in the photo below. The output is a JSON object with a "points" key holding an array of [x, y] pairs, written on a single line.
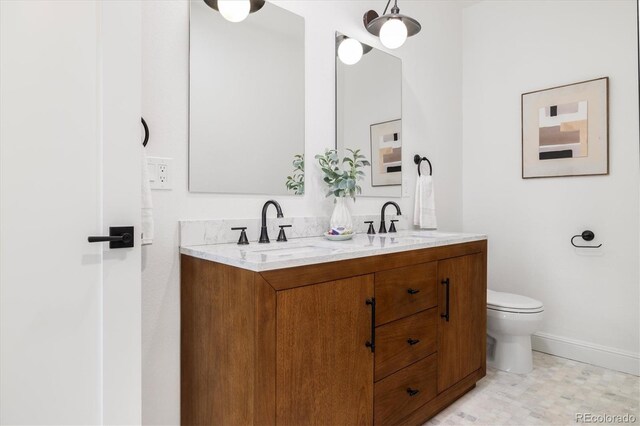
{"points": [[513, 302]]}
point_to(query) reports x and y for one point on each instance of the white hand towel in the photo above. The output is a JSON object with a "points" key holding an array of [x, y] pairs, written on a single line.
{"points": [[424, 213], [147, 205]]}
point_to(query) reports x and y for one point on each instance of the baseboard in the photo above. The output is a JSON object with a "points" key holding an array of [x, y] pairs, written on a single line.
{"points": [[603, 356]]}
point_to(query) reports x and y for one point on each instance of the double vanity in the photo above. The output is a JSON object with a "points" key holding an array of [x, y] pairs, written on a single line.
{"points": [[382, 329]]}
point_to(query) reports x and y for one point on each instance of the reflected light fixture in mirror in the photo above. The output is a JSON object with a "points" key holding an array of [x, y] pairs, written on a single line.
{"points": [[350, 51], [235, 10], [393, 28]]}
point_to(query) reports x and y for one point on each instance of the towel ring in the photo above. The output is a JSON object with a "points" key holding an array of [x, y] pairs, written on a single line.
{"points": [[418, 160], [146, 132]]}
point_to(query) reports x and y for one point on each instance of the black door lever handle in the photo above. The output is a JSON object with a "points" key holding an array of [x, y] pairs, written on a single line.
{"points": [[124, 238], [119, 237]]}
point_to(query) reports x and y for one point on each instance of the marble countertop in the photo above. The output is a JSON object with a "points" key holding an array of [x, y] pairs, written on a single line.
{"points": [[313, 250]]}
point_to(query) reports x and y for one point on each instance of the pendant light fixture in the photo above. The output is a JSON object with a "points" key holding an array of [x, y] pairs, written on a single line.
{"points": [[393, 28], [235, 10]]}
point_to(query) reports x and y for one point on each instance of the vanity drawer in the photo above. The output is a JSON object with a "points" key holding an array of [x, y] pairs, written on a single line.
{"points": [[405, 341], [398, 395], [404, 291]]}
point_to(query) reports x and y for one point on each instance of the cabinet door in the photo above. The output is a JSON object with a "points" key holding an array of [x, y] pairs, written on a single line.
{"points": [[461, 338], [324, 370]]}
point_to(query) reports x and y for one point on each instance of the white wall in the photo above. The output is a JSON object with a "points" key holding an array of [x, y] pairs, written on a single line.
{"points": [[591, 297], [432, 116]]}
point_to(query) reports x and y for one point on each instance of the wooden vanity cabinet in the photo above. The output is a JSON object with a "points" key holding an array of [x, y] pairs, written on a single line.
{"points": [[294, 346], [324, 370], [462, 334]]}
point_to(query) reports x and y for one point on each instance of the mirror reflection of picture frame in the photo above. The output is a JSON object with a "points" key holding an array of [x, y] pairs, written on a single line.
{"points": [[386, 153], [565, 130], [362, 101]]}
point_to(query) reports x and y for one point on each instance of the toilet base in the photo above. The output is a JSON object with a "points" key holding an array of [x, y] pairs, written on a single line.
{"points": [[510, 353]]}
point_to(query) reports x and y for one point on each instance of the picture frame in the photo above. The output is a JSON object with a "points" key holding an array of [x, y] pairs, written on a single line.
{"points": [[386, 153], [565, 130]]}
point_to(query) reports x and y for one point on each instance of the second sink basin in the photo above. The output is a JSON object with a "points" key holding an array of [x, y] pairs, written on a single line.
{"points": [[291, 251], [431, 234]]}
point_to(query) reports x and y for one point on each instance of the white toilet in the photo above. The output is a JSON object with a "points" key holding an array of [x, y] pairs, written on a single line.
{"points": [[511, 320]]}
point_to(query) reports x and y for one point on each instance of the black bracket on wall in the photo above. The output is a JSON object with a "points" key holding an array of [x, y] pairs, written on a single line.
{"points": [[587, 236], [146, 132], [418, 160]]}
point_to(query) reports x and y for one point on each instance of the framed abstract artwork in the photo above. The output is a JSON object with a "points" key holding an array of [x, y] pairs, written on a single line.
{"points": [[565, 130], [386, 153]]}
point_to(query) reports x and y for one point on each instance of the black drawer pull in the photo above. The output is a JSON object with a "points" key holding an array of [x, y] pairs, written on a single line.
{"points": [[412, 392], [413, 341], [413, 291]]}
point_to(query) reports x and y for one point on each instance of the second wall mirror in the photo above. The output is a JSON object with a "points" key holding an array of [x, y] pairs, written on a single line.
{"points": [[369, 113]]}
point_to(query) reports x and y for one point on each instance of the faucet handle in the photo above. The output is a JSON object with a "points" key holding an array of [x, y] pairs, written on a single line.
{"points": [[392, 228], [243, 235], [282, 237], [371, 230]]}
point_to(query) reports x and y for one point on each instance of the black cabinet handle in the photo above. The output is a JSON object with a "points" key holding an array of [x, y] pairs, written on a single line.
{"points": [[412, 392], [413, 341], [446, 314], [413, 291], [119, 237], [371, 344]]}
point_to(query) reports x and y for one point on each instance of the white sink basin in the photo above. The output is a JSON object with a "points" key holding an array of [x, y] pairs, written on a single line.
{"points": [[432, 234], [291, 251]]}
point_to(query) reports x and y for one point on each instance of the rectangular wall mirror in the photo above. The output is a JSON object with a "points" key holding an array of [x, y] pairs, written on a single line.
{"points": [[246, 102], [369, 114]]}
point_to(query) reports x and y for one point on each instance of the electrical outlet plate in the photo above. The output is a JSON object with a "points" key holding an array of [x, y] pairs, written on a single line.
{"points": [[160, 172]]}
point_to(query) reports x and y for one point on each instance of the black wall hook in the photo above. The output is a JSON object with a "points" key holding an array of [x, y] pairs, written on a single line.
{"points": [[418, 160], [587, 236]]}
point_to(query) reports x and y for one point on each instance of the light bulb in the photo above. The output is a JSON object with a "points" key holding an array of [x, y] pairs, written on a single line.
{"points": [[393, 33], [234, 10], [350, 51]]}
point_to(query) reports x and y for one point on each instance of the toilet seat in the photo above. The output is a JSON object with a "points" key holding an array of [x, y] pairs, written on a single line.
{"points": [[514, 303]]}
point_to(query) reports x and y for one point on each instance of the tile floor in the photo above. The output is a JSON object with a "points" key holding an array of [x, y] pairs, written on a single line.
{"points": [[551, 394]]}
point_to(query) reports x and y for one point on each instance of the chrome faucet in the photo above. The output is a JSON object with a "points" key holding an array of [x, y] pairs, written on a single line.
{"points": [[383, 226], [264, 235]]}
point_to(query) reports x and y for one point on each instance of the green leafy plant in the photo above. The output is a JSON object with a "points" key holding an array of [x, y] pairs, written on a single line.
{"points": [[295, 182], [342, 181]]}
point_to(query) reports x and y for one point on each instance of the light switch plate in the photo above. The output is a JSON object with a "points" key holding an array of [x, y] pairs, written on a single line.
{"points": [[160, 172]]}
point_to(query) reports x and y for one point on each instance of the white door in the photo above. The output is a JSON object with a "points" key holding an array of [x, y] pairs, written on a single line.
{"points": [[69, 168]]}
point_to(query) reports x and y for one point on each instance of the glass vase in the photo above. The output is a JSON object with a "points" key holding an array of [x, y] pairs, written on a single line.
{"points": [[341, 222]]}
